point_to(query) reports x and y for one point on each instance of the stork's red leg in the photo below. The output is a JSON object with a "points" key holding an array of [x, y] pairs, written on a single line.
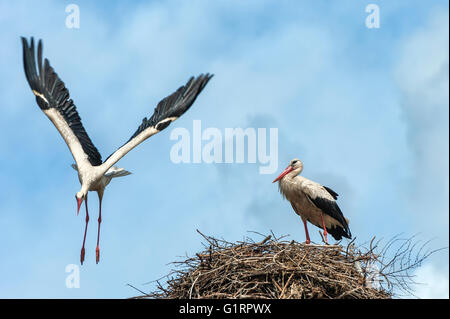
{"points": [[85, 231], [97, 250], [324, 228], [306, 231]]}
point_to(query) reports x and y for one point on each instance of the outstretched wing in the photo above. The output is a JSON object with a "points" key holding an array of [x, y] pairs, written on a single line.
{"points": [[53, 99], [167, 111]]}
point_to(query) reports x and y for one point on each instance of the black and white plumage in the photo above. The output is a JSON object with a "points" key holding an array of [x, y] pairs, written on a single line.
{"points": [[94, 174], [313, 202], [53, 99]]}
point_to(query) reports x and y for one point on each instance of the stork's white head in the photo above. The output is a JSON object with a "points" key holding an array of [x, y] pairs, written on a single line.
{"points": [[79, 196], [295, 166]]}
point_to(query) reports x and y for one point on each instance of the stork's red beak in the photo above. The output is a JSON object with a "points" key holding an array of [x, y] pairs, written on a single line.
{"points": [[79, 201], [286, 171]]}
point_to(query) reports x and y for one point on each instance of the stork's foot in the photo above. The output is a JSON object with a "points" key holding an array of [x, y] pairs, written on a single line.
{"points": [[307, 242], [82, 255], [97, 255]]}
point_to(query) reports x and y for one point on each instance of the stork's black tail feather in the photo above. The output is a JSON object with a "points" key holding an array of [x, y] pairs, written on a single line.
{"points": [[339, 232]]}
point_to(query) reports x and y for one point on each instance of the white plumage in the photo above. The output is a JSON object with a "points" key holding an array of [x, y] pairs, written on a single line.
{"points": [[313, 202]]}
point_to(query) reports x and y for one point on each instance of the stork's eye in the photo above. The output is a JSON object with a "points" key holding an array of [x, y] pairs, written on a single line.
{"points": [[293, 162]]}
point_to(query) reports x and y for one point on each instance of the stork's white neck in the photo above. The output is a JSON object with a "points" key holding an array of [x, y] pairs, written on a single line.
{"points": [[286, 184]]}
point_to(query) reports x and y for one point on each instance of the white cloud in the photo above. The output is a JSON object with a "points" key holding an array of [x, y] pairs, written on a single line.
{"points": [[422, 75], [432, 282]]}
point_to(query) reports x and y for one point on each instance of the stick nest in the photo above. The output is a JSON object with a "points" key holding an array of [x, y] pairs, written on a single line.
{"points": [[278, 269]]}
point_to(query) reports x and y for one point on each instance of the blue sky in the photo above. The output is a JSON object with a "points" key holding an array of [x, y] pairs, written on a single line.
{"points": [[365, 109]]}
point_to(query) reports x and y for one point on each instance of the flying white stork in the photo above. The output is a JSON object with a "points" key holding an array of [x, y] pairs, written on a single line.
{"points": [[94, 174], [313, 202]]}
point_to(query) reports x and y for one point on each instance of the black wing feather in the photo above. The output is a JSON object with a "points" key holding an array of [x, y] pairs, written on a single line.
{"points": [[175, 104], [331, 192], [48, 84], [332, 209]]}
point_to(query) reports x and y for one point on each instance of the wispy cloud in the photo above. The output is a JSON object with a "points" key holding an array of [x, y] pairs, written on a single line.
{"points": [[422, 75], [432, 282]]}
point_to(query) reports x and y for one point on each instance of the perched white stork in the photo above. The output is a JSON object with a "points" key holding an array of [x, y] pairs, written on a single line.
{"points": [[313, 202], [94, 174]]}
